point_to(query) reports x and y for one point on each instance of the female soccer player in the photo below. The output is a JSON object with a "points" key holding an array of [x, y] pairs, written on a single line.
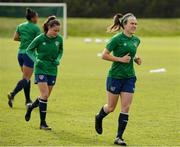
{"points": [[46, 51], [121, 78], [25, 33]]}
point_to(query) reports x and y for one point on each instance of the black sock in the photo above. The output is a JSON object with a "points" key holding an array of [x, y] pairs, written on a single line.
{"points": [[27, 91], [42, 110], [35, 104], [102, 113], [20, 85], [122, 122]]}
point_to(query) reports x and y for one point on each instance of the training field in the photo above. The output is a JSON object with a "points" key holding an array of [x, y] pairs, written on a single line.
{"points": [[80, 89], [80, 92]]}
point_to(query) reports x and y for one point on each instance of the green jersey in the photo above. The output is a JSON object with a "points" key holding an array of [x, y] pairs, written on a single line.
{"points": [[27, 32], [46, 53], [120, 45]]}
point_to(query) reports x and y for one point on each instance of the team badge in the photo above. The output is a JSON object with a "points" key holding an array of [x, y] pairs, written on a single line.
{"points": [[135, 44], [125, 44], [41, 77], [44, 43], [57, 43], [113, 88]]}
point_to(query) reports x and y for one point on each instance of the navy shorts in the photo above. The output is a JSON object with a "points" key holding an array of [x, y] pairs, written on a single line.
{"points": [[116, 86], [23, 59], [50, 80]]}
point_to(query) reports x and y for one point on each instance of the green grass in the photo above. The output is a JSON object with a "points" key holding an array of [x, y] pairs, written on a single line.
{"points": [[97, 27], [80, 93]]}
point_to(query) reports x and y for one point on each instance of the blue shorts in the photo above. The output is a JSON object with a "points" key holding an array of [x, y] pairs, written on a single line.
{"points": [[116, 86], [23, 59], [50, 80]]}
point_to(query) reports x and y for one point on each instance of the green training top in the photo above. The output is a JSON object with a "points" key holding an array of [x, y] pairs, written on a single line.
{"points": [[27, 32], [120, 45], [46, 53]]}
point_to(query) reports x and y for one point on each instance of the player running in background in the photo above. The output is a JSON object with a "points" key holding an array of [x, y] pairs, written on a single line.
{"points": [[121, 78], [49, 49], [25, 33]]}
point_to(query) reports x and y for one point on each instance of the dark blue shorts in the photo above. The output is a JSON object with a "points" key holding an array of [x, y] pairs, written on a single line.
{"points": [[50, 80], [23, 59], [116, 86]]}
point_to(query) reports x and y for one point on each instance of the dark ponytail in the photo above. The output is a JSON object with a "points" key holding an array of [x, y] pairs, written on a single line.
{"points": [[45, 25], [116, 26], [119, 21], [30, 13]]}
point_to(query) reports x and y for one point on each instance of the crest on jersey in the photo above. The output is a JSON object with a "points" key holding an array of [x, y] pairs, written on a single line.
{"points": [[125, 44], [57, 43], [44, 43], [41, 77], [135, 44]]}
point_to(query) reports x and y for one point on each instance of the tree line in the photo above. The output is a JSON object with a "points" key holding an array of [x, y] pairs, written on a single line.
{"points": [[107, 8]]}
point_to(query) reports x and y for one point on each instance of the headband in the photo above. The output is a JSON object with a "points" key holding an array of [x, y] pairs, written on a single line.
{"points": [[125, 17]]}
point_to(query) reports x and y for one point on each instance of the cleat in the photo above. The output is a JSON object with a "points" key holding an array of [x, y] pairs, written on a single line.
{"points": [[44, 126], [120, 141], [98, 125], [28, 113], [10, 100]]}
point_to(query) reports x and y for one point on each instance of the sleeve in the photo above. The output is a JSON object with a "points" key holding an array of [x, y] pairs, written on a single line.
{"points": [[31, 49], [60, 54], [38, 31], [111, 45]]}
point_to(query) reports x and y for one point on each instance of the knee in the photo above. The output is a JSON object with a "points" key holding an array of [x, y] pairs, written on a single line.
{"points": [[45, 95], [125, 108], [111, 109]]}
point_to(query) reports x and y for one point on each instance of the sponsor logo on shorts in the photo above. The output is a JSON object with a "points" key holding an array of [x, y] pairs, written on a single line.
{"points": [[41, 77]]}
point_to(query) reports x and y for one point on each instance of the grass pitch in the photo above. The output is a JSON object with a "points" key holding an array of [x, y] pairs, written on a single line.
{"points": [[80, 92]]}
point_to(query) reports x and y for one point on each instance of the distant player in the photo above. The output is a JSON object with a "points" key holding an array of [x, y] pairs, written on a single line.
{"points": [[49, 49], [25, 33], [121, 78]]}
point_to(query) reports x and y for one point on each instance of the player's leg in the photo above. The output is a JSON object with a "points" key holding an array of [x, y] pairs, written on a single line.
{"points": [[113, 90], [35, 104], [27, 74], [43, 100], [45, 93], [19, 86], [50, 80], [126, 100], [105, 110]]}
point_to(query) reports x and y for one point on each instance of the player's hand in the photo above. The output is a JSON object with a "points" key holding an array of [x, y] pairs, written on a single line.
{"points": [[125, 59], [138, 60]]}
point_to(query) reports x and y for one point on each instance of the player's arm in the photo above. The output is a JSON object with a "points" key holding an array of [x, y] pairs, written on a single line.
{"points": [[16, 36], [106, 55], [137, 60], [60, 54], [31, 49]]}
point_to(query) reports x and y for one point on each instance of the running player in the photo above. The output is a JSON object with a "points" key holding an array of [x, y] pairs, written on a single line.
{"points": [[121, 78], [46, 51], [25, 33]]}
